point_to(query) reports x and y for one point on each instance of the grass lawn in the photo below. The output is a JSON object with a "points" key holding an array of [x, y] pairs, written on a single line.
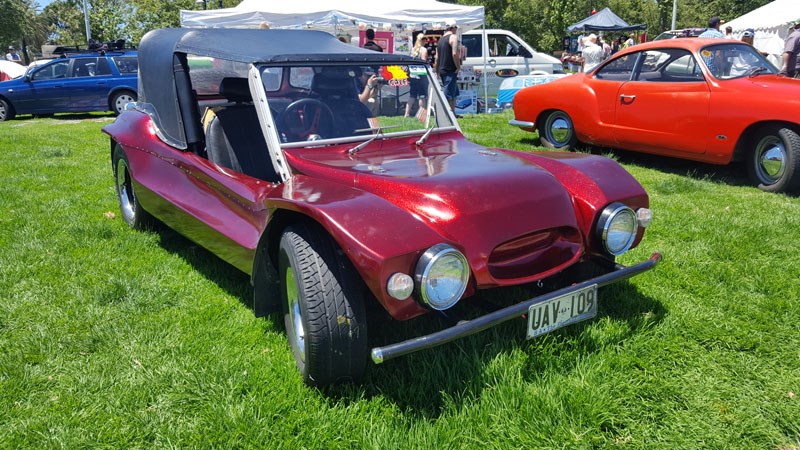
{"points": [[113, 338]]}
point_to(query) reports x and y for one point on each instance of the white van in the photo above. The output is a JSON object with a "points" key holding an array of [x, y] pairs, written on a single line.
{"points": [[507, 55]]}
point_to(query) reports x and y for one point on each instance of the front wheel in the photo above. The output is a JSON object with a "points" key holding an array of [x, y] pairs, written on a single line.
{"points": [[557, 131], [6, 110], [120, 99], [323, 305], [132, 212], [774, 162]]}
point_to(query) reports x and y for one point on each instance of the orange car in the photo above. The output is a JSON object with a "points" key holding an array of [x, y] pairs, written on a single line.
{"points": [[709, 100]]}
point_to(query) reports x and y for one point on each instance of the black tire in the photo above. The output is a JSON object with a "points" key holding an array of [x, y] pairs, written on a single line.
{"points": [[120, 99], [6, 110], [774, 160], [131, 210], [557, 131], [323, 294]]}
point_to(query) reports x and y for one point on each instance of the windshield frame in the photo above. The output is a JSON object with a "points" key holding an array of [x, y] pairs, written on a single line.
{"points": [[435, 98], [771, 69]]}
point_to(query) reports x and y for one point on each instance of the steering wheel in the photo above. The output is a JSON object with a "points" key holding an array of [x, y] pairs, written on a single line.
{"points": [[305, 119]]}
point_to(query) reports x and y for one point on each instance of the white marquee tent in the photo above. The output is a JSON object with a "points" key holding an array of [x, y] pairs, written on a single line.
{"points": [[341, 16], [771, 23]]}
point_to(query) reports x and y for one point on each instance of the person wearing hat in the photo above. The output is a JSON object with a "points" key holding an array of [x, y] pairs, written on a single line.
{"points": [[747, 36], [12, 55], [713, 29], [790, 50], [448, 63]]}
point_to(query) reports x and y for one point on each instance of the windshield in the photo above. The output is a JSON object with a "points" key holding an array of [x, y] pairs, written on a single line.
{"points": [[726, 61], [350, 102]]}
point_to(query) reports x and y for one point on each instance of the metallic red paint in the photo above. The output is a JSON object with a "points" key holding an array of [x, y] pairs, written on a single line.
{"points": [[388, 203]]}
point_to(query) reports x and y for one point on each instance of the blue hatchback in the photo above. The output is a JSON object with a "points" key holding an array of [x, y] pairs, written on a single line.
{"points": [[82, 82]]}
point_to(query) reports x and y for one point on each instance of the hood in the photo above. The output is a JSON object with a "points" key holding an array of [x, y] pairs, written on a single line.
{"points": [[472, 196]]}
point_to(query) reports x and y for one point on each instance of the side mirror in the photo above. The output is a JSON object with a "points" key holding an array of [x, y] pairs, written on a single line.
{"points": [[28, 77]]}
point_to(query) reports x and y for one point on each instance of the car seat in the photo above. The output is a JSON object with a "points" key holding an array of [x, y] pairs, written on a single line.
{"points": [[233, 134], [336, 87]]}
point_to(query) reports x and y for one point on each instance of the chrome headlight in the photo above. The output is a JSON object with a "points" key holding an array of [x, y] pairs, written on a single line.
{"points": [[441, 276], [617, 228]]}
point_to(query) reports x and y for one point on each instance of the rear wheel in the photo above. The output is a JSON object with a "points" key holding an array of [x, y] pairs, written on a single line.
{"points": [[6, 110], [120, 99], [132, 212], [323, 306], [774, 162]]}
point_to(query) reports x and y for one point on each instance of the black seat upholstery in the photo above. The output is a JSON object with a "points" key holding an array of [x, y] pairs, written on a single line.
{"points": [[336, 87], [233, 136]]}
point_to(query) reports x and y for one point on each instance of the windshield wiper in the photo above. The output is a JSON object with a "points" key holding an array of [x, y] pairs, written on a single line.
{"points": [[378, 131], [756, 70], [424, 137]]}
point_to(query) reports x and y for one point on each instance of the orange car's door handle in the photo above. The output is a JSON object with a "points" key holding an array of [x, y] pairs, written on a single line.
{"points": [[629, 98]]}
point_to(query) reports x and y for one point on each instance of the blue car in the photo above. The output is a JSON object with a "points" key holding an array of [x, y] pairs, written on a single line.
{"points": [[81, 82]]}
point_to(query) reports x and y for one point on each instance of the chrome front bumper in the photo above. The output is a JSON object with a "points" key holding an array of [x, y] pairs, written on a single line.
{"points": [[469, 327]]}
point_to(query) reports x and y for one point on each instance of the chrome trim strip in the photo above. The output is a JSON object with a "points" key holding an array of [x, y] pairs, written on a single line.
{"points": [[520, 123], [469, 327]]}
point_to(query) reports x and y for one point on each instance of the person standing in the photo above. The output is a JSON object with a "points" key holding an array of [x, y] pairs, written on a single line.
{"points": [[448, 63], [790, 50], [713, 29], [630, 42], [592, 53], [729, 32], [12, 55], [371, 44], [418, 81]]}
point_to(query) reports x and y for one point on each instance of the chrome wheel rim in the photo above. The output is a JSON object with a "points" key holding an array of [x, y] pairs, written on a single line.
{"points": [[296, 333], [2, 111], [559, 129], [121, 101], [770, 159], [125, 192]]}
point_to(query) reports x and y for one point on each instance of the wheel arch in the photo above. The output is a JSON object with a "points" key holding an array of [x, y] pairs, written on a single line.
{"points": [[743, 144], [113, 92]]}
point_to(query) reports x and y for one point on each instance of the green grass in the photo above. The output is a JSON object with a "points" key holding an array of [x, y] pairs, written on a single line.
{"points": [[113, 338]]}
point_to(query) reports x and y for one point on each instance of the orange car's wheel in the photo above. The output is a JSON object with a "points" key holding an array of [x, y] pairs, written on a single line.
{"points": [[774, 163], [557, 131]]}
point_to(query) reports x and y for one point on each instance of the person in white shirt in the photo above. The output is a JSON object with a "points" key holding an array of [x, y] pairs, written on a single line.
{"points": [[592, 53], [12, 55]]}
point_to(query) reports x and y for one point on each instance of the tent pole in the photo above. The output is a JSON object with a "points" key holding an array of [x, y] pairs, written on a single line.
{"points": [[484, 74]]}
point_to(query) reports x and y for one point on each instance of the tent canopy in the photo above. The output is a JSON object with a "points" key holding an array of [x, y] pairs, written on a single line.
{"points": [[339, 16], [771, 23], [603, 20]]}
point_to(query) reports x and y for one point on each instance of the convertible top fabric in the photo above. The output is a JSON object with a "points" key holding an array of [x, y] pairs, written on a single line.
{"points": [[297, 47]]}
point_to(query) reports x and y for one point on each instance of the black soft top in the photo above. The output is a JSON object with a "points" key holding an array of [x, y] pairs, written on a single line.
{"points": [[159, 48]]}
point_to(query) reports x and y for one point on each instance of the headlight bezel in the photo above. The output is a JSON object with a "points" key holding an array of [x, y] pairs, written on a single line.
{"points": [[610, 213], [422, 272]]}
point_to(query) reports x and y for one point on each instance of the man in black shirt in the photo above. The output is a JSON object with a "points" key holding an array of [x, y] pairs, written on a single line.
{"points": [[448, 63], [370, 44]]}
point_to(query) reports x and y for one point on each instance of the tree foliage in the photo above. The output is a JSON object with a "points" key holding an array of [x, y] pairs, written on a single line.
{"points": [[542, 23]]}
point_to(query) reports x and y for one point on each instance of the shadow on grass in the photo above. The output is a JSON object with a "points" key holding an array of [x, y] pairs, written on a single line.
{"points": [[455, 374], [422, 384], [232, 280], [66, 116]]}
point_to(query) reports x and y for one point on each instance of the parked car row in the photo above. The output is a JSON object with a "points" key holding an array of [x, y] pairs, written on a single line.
{"points": [[79, 82]]}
